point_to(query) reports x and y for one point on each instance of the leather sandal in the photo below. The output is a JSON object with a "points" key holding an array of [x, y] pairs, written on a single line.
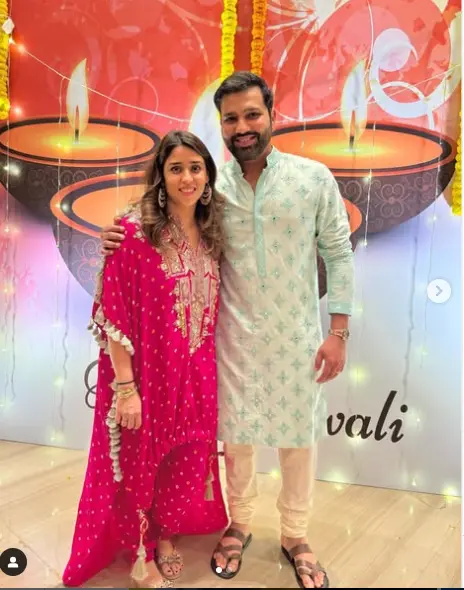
{"points": [[303, 567], [230, 552]]}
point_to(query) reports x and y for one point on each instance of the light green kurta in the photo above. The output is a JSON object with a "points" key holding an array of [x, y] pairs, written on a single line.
{"points": [[269, 327]]}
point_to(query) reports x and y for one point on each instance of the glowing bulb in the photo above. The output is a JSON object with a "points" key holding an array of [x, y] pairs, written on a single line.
{"points": [[65, 207], [275, 474], [411, 509], [356, 440], [358, 375], [13, 169], [21, 48], [414, 483], [338, 487], [7, 229], [59, 382], [18, 111], [450, 493], [358, 310]]}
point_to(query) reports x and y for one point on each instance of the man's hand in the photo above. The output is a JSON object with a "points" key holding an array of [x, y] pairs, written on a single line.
{"points": [[111, 237], [331, 358]]}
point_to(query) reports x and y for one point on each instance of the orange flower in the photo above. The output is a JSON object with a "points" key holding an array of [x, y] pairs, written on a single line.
{"points": [[258, 32]]}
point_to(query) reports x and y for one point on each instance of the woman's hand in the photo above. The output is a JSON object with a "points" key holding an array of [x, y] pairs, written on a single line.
{"points": [[129, 412]]}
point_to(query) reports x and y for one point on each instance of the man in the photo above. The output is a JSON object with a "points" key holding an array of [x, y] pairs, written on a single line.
{"points": [[272, 358]]}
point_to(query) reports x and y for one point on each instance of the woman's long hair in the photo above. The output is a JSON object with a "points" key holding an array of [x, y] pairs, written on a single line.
{"points": [[209, 217]]}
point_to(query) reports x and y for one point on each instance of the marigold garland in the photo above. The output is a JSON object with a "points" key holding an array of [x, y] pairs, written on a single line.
{"points": [[456, 191], [258, 30], [4, 48], [229, 28]]}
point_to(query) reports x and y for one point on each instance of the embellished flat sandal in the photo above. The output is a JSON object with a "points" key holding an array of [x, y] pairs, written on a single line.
{"points": [[230, 552], [150, 583], [142, 579], [175, 558], [303, 567]]}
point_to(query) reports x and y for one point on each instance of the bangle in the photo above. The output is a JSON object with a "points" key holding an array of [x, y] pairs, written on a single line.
{"points": [[115, 385], [126, 393]]}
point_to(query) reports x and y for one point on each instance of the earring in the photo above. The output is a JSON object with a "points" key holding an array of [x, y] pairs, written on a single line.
{"points": [[205, 198], [162, 198]]}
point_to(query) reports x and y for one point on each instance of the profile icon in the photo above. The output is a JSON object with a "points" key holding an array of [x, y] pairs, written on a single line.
{"points": [[13, 562]]}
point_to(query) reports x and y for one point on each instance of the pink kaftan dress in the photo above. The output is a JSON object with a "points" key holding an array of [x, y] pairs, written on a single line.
{"points": [[162, 479]]}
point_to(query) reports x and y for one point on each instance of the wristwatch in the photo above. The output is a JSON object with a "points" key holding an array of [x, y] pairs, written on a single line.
{"points": [[342, 333]]}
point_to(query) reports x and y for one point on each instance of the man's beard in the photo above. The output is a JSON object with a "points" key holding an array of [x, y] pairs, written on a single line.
{"points": [[246, 154]]}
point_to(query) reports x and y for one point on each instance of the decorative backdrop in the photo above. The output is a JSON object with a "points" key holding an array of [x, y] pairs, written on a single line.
{"points": [[369, 87]]}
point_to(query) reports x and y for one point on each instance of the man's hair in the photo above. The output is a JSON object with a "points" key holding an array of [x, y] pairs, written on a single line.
{"points": [[240, 82]]}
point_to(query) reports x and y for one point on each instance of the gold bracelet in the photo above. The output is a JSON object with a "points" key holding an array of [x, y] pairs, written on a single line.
{"points": [[126, 393]]}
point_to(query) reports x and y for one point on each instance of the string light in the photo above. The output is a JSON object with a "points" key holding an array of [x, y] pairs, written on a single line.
{"points": [[13, 169], [57, 436], [356, 440], [450, 494], [22, 49], [357, 374]]}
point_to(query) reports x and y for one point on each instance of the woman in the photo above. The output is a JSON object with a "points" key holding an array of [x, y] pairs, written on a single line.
{"points": [[153, 468]]}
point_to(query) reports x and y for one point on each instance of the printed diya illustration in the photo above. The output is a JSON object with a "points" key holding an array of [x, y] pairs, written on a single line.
{"points": [[100, 161], [391, 172], [42, 155]]}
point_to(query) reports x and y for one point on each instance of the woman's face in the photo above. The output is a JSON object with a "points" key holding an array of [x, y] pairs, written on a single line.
{"points": [[185, 177]]}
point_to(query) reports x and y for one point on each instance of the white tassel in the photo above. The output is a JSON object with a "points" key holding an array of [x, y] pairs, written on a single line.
{"points": [[140, 571]]}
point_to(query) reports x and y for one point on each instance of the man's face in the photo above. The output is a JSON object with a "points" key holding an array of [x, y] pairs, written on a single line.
{"points": [[246, 124]]}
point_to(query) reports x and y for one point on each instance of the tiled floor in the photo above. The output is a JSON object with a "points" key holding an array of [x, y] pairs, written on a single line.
{"points": [[366, 537]]}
